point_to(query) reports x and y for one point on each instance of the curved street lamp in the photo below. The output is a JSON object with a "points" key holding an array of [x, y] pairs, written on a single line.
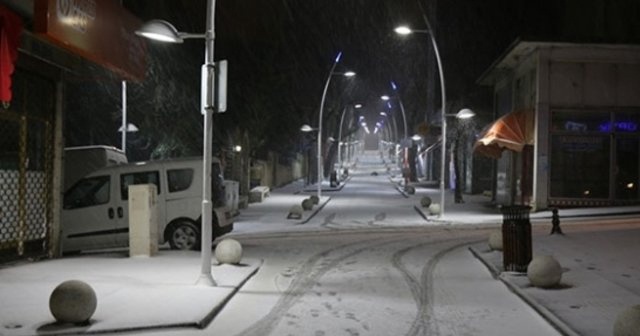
{"points": [[404, 30], [356, 106], [163, 31], [324, 95]]}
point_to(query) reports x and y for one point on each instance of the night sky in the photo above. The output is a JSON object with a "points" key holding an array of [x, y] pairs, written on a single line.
{"points": [[280, 52]]}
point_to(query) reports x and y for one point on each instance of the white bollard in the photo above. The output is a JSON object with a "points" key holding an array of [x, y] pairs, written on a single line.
{"points": [[544, 272], [434, 208], [229, 251], [295, 212], [628, 322], [73, 301], [495, 240]]}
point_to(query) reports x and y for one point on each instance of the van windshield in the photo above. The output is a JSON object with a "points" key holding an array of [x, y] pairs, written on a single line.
{"points": [[88, 192]]}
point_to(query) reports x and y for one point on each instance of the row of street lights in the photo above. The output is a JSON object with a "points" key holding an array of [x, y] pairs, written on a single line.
{"points": [[163, 31]]}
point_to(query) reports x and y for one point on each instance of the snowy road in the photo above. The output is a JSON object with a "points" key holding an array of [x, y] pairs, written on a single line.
{"points": [[369, 283], [371, 267]]}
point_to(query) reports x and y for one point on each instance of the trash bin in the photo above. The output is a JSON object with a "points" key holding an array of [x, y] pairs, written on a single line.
{"points": [[516, 238], [333, 179]]}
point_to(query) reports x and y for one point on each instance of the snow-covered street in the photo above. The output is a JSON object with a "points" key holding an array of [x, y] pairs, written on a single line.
{"points": [[412, 282], [363, 262], [368, 264]]}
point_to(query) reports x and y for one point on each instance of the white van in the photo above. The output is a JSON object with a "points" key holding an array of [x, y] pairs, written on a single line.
{"points": [[82, 160], [95, 209]]}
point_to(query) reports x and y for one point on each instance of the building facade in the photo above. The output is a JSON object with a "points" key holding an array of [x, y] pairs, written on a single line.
{"points": [[578, 112]]}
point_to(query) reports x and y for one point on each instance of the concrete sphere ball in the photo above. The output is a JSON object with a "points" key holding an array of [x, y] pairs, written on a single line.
{"points": [[628, 322], [315, 199], [229, 251], [425, 201], [495, 240], [73, 301], [410, 190], [295, 212], [544, 272], [434, 208], [307, 204]]}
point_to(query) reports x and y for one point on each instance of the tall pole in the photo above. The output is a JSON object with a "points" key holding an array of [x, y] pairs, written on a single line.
{"points": [[344, 110], [324, 95], [444, 117], [124, 116], [207, 89]]}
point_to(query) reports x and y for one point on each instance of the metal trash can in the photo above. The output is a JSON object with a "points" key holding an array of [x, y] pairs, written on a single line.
{"points": [[333, 179], [516, 238]]}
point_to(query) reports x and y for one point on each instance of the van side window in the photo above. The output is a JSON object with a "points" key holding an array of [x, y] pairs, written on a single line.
{"points": [[179, 179], [151, 177], [88, 192]]}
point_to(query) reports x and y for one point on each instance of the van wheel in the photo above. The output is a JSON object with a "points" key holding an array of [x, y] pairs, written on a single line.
{"points": [[184, 235]]}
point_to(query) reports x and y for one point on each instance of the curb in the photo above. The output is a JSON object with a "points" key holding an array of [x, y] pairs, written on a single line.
{"points": [[554, 320]]}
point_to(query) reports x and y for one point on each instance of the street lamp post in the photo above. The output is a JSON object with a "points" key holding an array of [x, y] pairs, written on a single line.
{"points": [[164, 31], [404, 30], [324, 95], [357, 106]]}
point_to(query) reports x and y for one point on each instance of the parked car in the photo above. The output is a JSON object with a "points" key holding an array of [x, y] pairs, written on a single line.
{"points": [[95, 209]]}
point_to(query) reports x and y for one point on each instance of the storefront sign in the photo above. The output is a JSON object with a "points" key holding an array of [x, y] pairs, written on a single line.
{"points": [[99, 30]]}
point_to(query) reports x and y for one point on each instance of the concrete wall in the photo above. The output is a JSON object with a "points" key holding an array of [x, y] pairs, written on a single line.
{"points": [[271, 173]]}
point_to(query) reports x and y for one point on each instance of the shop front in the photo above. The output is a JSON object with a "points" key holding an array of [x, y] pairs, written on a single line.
{"points": [[566, 132]]}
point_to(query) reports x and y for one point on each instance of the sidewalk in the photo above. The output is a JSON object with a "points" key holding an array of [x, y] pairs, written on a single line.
{"points": [[601, 276], [133, 293]]}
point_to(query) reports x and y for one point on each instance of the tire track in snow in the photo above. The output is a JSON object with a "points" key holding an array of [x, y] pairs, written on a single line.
{"points": [[308, 277], [422, 289]]}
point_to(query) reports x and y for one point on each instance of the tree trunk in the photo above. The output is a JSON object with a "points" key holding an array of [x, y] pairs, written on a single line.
{"points": [[456, 168]]}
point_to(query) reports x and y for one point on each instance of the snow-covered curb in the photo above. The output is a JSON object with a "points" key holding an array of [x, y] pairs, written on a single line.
{"points": [[557, 323]]}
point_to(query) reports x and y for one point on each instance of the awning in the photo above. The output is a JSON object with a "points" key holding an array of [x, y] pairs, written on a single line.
{"points": [[512, 131], [10, 29]]}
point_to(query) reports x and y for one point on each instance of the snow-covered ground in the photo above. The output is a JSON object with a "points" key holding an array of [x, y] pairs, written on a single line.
{"points": [[363, 262], [601, 275]]}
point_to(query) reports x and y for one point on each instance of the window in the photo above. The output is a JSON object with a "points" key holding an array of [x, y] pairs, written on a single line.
{"points": [[179, 179], [151, 177], [88, 192], [580, 166]]}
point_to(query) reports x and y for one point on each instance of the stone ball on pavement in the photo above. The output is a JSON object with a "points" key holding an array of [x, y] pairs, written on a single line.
{"points": [[315, 199], [628, 322], [434, 208], [73, 301], [544, 271], [410, 190], [295, 212], [425, 201], [495, 240], [229, 251], [307, 204]]}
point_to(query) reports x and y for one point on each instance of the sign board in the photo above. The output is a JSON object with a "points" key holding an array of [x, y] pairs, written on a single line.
{"points": [[99, 30]]}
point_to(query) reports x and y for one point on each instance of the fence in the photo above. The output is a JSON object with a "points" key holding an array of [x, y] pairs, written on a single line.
{"points": [[25, 185]]}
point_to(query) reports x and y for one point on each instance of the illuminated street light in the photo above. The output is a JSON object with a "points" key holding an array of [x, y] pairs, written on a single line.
{"points": [[160, 30], [357, 106], [404, 30], [324, 95]]}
